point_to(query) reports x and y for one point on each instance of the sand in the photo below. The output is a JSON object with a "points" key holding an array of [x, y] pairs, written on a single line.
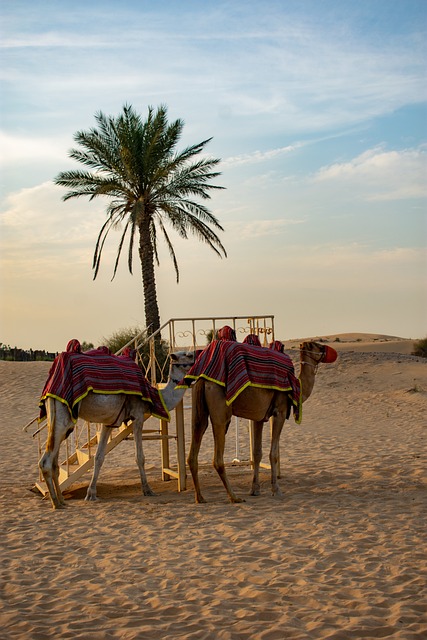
{"points": [[341, 555]]}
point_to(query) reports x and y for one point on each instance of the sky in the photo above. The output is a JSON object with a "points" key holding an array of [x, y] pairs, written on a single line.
{"points": [[317, 109]]}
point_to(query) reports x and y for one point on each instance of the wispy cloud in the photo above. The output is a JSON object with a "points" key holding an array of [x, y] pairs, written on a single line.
{"points": [[347, 267], [380, 174], [260, 156], [288, 70], [263, 228], [17, 148], [54, 39], [36, 220]]}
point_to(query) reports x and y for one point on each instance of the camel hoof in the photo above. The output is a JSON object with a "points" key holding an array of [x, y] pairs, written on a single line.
{"points": [[91, 498], [200, 500], [149, 492], [255, 492], [236, 500]]}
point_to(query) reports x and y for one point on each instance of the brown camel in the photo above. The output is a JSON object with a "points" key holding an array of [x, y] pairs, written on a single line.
{"points": [[253, 403]]}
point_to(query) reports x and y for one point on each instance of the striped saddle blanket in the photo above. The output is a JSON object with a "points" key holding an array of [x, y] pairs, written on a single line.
{"points": [[237, 366], [73, 375]]}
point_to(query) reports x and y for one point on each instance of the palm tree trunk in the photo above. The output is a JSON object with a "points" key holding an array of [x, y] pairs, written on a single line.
{"points": [[146, 255]]}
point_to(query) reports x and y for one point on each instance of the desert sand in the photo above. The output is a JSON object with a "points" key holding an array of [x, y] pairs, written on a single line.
{"points": [[341, 555]]}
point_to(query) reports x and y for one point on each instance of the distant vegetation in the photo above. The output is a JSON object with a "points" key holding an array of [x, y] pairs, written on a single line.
{"points": [[420, 348], [114, 343], [15, 353], [31, 355]]}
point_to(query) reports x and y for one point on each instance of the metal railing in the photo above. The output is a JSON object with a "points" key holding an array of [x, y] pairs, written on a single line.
{"points": [[191, 334]]}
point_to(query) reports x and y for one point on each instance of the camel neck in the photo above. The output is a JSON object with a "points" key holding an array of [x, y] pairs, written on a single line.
{"points": [[307, 376], [172, 396]]}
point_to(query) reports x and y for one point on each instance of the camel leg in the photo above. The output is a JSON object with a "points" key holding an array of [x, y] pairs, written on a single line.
{"points": [[140, 458], [274, 452], [219, 431], [55, 478], [50, 470], [99, 460], [59, 426], [199, 424], [199, 429], [257, 455]]}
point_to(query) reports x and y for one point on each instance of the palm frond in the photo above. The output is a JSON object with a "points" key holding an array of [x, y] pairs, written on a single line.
{"points": [[122, 239], [198, 228], [171, 249], [131, 245], [153, 241], [102, 236], [83, 183]]}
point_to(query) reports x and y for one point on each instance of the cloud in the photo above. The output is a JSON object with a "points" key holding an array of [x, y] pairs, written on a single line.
{"points": [[360, 257], [296, 72], [41, 235], [260, 156], [50, 39], [381, 175], [14, 149], [337, 268], [262, 228]]}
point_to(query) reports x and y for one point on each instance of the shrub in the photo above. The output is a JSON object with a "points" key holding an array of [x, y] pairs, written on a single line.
{"points": [[121, 337], [161, 348], [210, 336], [420, 348]]}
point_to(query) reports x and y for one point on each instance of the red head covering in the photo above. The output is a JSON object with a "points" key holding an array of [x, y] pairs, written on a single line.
{"points": [[252, 339], [226, 333], [330, 355], [128, 353], [73, 346], [277, 346]]}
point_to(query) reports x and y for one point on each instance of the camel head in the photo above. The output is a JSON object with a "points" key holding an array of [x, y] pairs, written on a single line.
{"points": [[181, 363], [317, 352], [182, 358]]}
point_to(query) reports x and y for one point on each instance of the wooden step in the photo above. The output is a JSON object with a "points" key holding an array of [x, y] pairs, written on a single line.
{"points": [[82, 456]]}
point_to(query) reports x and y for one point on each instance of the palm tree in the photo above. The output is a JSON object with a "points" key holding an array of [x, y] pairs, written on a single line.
{"points": [[135, 164]]}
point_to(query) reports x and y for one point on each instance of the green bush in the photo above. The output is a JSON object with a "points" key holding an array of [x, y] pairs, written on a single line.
{"points": [[121, 337], [420, 348], [161, 348], [210, 336], [86, 346]]}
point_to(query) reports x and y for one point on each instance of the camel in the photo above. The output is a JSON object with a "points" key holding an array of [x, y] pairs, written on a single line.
{"points": [[108, 410], [256, 404]]}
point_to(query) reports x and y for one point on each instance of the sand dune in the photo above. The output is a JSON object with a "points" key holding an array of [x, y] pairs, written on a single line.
{"points": [[364, 342], [341, 555]]}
